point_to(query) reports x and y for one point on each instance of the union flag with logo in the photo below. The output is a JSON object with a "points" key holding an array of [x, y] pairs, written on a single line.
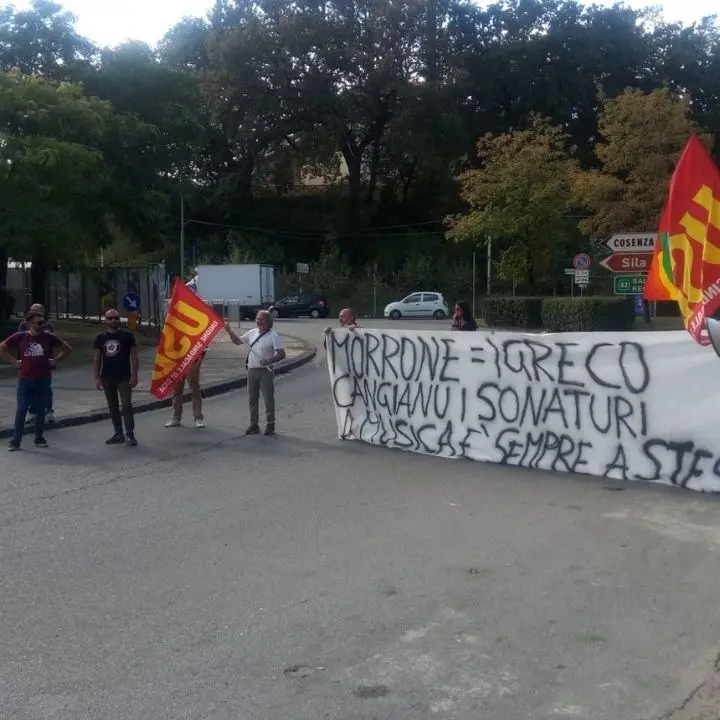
{"points": [[686, 264], [190, 326]]}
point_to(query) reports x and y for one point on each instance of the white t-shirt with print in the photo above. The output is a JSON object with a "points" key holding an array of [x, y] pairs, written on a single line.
{"points": [[265, 348]]}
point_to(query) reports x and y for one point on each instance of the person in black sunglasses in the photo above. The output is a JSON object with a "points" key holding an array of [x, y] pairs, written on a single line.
{"points": [[35, 362], [116, 373]]}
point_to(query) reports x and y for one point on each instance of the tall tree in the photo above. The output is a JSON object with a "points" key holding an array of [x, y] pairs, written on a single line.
{"points": [[57, 190], [42, 40], [520, 196], [641, 138]]}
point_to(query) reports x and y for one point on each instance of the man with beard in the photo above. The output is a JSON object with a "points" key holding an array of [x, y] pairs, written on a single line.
{"points": [[116, 373]]}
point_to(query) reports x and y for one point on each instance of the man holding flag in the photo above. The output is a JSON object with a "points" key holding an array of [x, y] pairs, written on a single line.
{"points": [[686, 264], [190, 326], [265, 348]]}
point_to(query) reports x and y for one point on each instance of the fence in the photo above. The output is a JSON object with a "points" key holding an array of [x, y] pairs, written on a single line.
{"points": [[90, 292]]}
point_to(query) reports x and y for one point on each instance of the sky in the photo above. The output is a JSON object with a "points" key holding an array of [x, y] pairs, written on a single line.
{"points": [[110, 22]]}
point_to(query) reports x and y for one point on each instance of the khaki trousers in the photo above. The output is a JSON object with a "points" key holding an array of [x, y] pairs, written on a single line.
{"points": [[261, 380], [193, 381]]}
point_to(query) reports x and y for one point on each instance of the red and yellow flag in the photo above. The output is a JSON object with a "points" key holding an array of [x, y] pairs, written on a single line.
{"points": [[686, 263], [190, 326]]}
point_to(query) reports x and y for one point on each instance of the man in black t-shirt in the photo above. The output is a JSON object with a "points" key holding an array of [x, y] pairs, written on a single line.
{"points": [[116, 372]]}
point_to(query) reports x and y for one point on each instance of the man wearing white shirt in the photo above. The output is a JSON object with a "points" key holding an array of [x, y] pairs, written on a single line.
{"points": [[265, 348]]}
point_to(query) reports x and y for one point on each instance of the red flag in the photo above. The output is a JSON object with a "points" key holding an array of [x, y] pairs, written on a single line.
{"points": [[190, 326], [686, 263]]}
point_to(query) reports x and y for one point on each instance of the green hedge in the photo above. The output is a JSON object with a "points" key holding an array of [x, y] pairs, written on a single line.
{"points": [[560, 314], [513, 312], [564, 314]]}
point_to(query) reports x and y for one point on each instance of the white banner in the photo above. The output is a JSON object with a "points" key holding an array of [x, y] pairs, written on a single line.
{"points": [[627, 406]]}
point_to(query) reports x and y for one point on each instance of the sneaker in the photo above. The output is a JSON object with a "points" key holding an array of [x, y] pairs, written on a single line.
{"points": [[270, 429], [13, 445], [199, 423], [50, 417], [116, 439], [173, 422], [131, 441], [253, 430], [41, 442]]}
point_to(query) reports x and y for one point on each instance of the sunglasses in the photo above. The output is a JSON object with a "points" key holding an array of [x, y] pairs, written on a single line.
{"points": [[113, 317]]}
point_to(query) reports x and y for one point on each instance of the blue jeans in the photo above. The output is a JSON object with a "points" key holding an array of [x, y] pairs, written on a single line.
{"points": [[31, 392], [33, 410]]}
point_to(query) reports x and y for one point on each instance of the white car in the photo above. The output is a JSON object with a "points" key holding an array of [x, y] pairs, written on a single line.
{"points": [[419, 305]]}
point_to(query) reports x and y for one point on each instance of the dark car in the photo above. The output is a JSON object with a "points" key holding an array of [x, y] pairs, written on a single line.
{"points": [[316, 306]]}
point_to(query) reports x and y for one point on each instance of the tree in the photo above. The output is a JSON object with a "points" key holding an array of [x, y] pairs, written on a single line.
{"points": [[513, 266], [641, 138], [58, 194], [520, 194], [42, 40]]}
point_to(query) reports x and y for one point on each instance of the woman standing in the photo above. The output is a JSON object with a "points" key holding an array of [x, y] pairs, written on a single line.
{"points": [[462, 317]]}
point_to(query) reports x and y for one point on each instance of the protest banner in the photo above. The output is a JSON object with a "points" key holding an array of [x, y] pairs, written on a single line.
{"points": [[627, 406], [190, 326], [686, 263]]}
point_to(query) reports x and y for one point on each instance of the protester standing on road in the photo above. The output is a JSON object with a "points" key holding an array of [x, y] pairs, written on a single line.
{"points": [[193, 381], [116, 373], [35, 362], [39, 309], [265, 348], [463, 317]]}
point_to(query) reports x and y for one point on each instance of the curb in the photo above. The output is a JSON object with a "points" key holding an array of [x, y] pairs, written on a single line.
{"points": [[220, 388]]}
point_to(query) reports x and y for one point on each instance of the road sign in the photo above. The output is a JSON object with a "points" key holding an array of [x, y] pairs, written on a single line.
{"points": [[628, 262], [569, 271], [631, 242], [582, 277], [303, 268], [629, 284], [582, 261], [131, 302]]}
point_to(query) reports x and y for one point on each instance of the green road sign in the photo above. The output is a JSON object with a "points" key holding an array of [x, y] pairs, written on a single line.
{"points": [[629, 284]]}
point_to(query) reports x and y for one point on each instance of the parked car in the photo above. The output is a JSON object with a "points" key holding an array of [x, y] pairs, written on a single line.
{"points": [[418, 305], [312, 304]]}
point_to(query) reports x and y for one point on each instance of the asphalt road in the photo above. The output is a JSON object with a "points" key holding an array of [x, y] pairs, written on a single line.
{"points": [[209, 576]]}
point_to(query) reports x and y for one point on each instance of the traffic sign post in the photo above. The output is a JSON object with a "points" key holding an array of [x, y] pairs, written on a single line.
{"points": [[631, 242], [629, 284], [131, 302], [582, 277], [634, 262], [582, 261]]}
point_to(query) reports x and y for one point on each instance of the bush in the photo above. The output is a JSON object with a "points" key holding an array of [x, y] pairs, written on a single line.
{"points": [[513, 312], [564, 314]]}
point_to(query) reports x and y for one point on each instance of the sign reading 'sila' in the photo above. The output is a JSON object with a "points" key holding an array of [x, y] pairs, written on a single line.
{"points": [[604, 404]]}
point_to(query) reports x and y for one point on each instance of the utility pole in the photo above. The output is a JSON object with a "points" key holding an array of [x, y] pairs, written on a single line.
{"points": [[182, 236], [489, 263], [473, 281]]}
